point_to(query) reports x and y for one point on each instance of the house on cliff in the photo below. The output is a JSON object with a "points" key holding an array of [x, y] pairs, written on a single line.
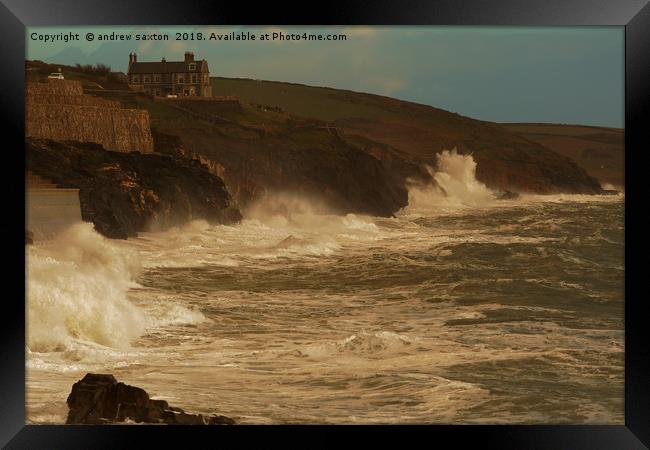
{"points": [[187, 78]]}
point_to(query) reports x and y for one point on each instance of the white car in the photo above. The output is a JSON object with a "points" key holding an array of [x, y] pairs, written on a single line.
{"points": [[56, 75], [172, 96]]}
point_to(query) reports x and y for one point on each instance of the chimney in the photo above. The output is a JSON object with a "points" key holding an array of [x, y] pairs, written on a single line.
{"points": [[163, 59], [135, 58], [189, 56]]}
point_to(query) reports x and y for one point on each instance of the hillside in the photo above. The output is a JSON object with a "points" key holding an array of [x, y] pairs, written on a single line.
{"points": [[350, 151], [260, 150], [599, 150], [91, 77], [505, 160]]}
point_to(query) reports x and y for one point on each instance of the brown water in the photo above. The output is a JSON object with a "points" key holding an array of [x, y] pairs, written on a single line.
{"points": [[498, 312]]}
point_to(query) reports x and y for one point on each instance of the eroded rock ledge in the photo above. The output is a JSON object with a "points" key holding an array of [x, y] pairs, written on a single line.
{"points": [[101, 399], [125, 193]]}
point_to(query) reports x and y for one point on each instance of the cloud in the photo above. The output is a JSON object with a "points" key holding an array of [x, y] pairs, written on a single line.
{"points": [[363, 32]]}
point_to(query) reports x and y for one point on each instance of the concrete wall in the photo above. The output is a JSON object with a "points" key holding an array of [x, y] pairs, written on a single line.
{"points": [[51, 210], [59, 110]]}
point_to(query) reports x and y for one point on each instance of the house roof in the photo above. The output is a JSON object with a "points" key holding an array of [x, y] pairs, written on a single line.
{"points": [[167, 67]]}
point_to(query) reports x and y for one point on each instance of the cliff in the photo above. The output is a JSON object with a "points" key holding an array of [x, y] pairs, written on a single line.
{"points": [[353, 152], [600, 151], [123, 193], [304, 160], [59, 110], [505, 160]]}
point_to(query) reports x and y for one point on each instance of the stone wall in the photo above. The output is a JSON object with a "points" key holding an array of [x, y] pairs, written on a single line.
{"points": [[60, 110]]}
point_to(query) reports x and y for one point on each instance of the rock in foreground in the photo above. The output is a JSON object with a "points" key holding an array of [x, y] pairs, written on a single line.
{"points": [[101, 399]]}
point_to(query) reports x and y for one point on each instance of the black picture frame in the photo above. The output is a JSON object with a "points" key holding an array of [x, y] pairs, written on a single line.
{"points": [[634, 15]]}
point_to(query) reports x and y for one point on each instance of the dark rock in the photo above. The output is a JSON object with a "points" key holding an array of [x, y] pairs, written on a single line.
{"points": [[101, 399], [29, 237], [308, 161], [220, 420], [123, 193]]}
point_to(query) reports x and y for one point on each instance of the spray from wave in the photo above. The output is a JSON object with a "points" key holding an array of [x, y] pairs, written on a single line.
{"points": [[288, 208], [305, 224], [76, 291], [455, 186]]}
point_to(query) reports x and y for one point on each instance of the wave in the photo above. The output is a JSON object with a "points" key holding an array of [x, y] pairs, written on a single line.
{"points": [[362, 343], [455, 186], [279, 226], [77, 291], [571, 198]]}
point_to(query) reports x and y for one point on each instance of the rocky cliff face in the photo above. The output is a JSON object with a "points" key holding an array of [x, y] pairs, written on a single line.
{"points": [[505, 161], [309, 162], [59, 110], [123, 193]]}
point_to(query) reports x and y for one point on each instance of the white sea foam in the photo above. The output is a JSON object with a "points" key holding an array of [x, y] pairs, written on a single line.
{"points": [[76, 290], [455, 186], [278, 226]]}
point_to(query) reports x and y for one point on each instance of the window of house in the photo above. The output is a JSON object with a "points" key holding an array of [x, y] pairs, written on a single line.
{"points": [[156, 78], [179, 78], [193, 78], [192, 66], [135, 78], [146, 79]]}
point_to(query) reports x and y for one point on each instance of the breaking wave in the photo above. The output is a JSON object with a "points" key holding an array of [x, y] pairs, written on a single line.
{"points": [[77, 291], [455, 186], [362, 343]]}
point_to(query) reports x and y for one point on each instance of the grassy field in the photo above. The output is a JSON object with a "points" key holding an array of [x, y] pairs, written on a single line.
{"points": [[90, 78], [414, 128], [307, 101], [600, 150]]}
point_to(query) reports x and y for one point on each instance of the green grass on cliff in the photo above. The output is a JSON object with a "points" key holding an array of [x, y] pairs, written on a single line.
{"points": [[600, 150], [415, 128], [308, 101]]}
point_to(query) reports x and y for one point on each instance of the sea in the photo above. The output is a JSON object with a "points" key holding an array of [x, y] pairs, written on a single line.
{"points": [[462, 308]]}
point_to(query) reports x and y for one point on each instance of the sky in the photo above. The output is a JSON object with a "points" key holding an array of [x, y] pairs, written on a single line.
{"points": [[502, 74]]}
